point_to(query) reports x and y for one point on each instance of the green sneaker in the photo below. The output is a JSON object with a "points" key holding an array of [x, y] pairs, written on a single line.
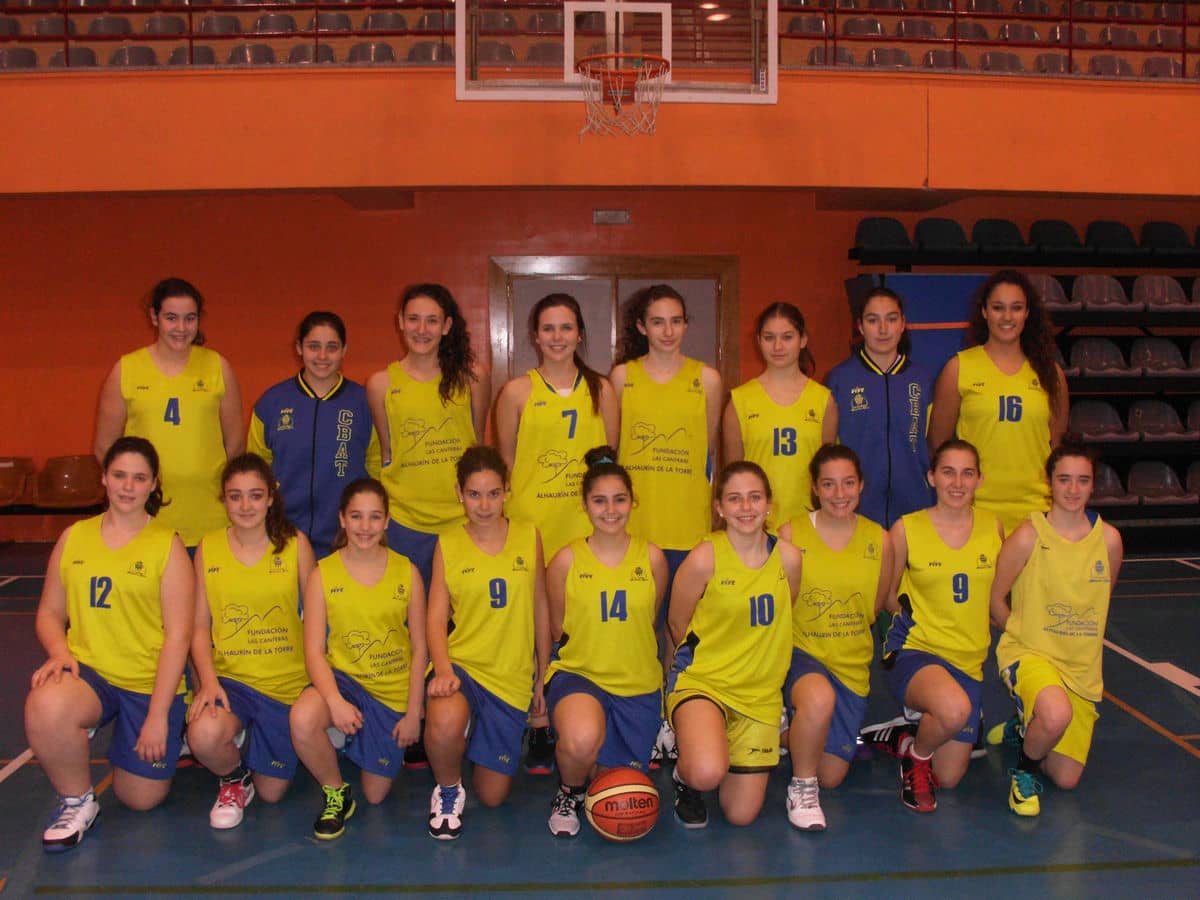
{"points": [[1009, 733], [1024, 791], [339, 806]]}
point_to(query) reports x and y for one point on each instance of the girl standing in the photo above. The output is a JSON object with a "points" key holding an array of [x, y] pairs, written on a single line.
{"points": [[779, 419], [185, 400], [1006, 395]]}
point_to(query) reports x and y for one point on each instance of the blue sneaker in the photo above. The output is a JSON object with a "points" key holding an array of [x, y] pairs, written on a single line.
{"points": [[1009, 733]]}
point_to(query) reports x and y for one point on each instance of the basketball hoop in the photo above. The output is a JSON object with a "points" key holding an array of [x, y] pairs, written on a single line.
{"points": [[621, 92]]}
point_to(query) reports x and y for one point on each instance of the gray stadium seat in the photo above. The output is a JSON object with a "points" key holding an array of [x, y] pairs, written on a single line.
{"points": [[1099, 356], [79, 58], [436, 21], [430, 51], [945, 59], [1118, 36], [888, 58], [916, 29], [546, 22], [496, 53], [1167, 38], [999, 61], [1169, 12], [220, 23], [807, 25], [497, 20], [1158, 485], [545, 53], [9, 26], [862, 27], [1161, 67], [1107, 489], [1157, 356], [1097, 420], [165, 24], [1096, 291], [251, 55], [134, 56], [49, 26], [1018, 32], [274, 23], [310, 54], [1031, 8], [372, 52], [1124, 11], [385, 21], [826, 56], [202, 55], [330, 21], [936, 5], [1160, 292], [1108, 66], [981, 6], [1055, 64], [1064, 34], [110, 25], [1050, 290], [968, 31], [1157, 420], [885, 4]]}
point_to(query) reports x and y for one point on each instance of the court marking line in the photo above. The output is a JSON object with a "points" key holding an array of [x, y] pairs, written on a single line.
{"points": [[1189, 564], [15, 764], [258, 859], [1168, 671], [1190, 737], [556, 887], [1153, 559], [105, 784], [1152, 725], [10, 579], [18, 612]]}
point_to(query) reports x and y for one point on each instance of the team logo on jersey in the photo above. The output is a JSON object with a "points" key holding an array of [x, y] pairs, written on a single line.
{"points": [[417, 431], [811, 416], [277, 567], [585, 576], [858, 399], [555, 462], [696, 387], [383, 761], [978, 384], [467, 570], [337, 590], [872, 552], [984, 562], [360, 643], [142, 387], [820, 601], [239, 617], [639, 574], [504, 758], [200, 386], [213, 570], [1067, 622], [646, 435], [138, 569], [1099, 572], [277, 764], [935, 564], [519, 565], [728, 582], [1033, 382], [77, 562], [752, 416], [537, 403], [400, 593], [287, 419]]}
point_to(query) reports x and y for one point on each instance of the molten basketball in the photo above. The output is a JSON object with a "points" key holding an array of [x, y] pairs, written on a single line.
{"points": [[622, 804]]}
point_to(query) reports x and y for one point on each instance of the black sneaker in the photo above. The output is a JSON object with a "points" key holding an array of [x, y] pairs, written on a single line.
{"points": [[885, 737], [979, 748], [539, 758], [689, 806], [414, 755], [339, 806]]}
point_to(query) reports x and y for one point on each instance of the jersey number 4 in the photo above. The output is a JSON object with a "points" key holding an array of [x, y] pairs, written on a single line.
{"points": [[100, 588], [171, 413]]}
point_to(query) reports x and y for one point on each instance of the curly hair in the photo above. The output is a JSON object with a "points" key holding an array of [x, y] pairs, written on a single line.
{"points": [[632, 344], [456, 359], [1037, 337]]}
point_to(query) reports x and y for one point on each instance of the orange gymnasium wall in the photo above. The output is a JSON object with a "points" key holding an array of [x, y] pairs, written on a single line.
{"points": [[113, 180]]}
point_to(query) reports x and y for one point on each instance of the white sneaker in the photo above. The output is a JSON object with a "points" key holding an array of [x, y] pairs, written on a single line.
{"points": [[73, 817], [784, 725], [233, 797], [564, 814], [445, 811], [804, 804], [337, 737], [664, 750]]}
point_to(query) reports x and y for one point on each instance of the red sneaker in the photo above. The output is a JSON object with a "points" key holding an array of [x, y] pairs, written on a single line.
{"points": [[918, 784]]}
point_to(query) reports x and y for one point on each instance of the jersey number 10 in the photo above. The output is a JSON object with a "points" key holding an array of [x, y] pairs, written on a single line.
{"points": [[762, 610]]}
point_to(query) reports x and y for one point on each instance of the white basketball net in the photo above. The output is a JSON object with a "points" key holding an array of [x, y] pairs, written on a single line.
{"points": [[621, 93]]}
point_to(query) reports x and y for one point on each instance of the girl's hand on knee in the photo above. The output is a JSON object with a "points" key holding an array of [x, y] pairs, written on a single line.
{"points": [[444, 685], [151, 744], [53, 668], [207, 697], [346, 716], [407, 730]]}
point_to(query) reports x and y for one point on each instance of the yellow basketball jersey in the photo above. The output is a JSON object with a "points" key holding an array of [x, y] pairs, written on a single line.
{"points": [[664, 447], [782, 439], [739, 643], [1007, 418], [491, 606], [608, 625], [181, 417], [114, 602], [256, 632], [554, 434], [428, 438], [368, 628], [833, 613], [944, 593], [1060, 607]]}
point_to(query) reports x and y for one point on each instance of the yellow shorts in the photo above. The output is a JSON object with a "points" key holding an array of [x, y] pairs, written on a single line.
{"points": [[1028, 677], [753, 745]]}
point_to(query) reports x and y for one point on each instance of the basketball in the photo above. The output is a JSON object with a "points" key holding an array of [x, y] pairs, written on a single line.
{"points": [[622, 804]]}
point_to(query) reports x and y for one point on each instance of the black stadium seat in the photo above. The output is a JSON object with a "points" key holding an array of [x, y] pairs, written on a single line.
{"points": [[944, 236], [999, 235]]}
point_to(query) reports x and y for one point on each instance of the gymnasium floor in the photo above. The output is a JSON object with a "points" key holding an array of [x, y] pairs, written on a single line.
{"points": [[1129, 830]]}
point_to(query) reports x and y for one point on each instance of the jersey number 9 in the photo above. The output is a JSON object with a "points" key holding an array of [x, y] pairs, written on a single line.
{"points": [[498, 591], [961, 587]]}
